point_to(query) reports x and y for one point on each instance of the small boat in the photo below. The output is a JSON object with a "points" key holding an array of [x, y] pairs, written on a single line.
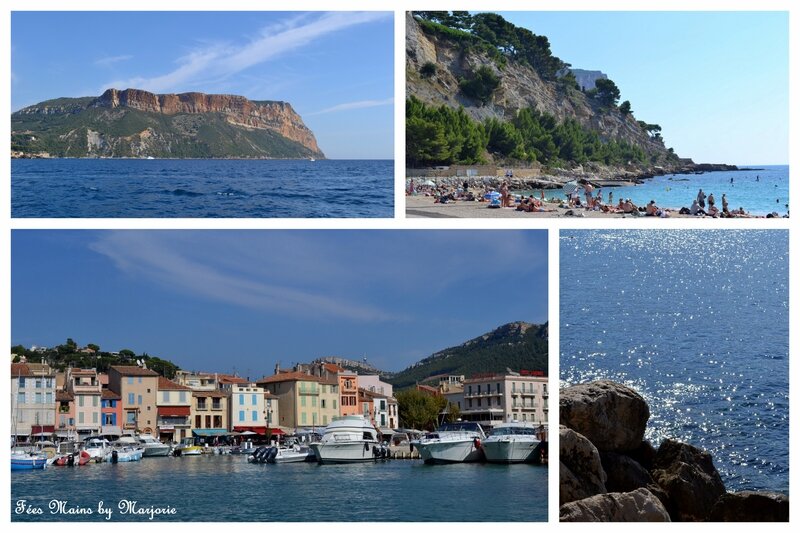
{"points": [[73, 459], [153, 447], [97, 448], [188, 447], [457, 442], [125, 454], [293, 454], [311, 159], [28, 460], [349, 439], [513, 442]]}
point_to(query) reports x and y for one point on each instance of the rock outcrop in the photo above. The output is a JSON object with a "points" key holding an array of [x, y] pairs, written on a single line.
{"points": [[690, 479], [751, 506], [609, 414], [580, 470], [631, 481], [636, 506]]}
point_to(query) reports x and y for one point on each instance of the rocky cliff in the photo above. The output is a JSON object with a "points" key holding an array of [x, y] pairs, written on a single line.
{"points": [[136, 123], [521, 86]]}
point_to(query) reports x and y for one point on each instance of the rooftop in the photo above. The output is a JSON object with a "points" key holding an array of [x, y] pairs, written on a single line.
{"points": [[288, 376], [166, 384], [134, 371]]}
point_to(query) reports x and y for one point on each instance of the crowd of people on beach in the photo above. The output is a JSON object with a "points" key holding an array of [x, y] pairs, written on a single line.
{"points": [[581, 195]]}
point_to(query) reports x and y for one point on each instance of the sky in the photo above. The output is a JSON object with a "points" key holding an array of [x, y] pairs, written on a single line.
{"points": [[716, 82], [336, 69], [241, 301]]}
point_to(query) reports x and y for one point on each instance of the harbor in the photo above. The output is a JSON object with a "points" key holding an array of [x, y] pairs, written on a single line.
{"points": [[227, 488]]}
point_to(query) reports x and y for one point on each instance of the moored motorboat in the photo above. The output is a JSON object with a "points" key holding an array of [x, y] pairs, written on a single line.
{"points": [[293, 454], [153, 447], [512, 442], [457, 442], [125, 454], [188, 447], [348, 439], [97, 448]]}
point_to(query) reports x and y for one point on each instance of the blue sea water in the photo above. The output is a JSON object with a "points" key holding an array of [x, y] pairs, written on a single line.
{"points": [[214, 488], [770, 193], [134, 188], [698, 322]]}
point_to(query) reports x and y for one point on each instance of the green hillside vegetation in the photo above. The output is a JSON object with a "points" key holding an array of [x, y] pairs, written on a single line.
{"points": [[503, 348], [441, 135], [68, 355], [208, 135]]}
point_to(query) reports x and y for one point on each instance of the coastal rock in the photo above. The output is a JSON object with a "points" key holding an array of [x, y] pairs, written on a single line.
{"points": [[623, 474], [644, 454], [688, 475], [751, 506], [611, 415], [636, 506], [580, 470]]}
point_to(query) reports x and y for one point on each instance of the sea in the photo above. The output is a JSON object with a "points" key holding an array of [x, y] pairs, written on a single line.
{"points": [[226, 488], [758, 189], [697, 321], [201, 188]]}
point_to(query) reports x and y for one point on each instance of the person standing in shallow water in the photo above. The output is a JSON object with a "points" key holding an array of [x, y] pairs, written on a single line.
{"points": [[701, 199], [711, 200]]}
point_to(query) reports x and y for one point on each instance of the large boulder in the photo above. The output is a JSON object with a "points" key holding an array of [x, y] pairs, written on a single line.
{"points": [[751, 506], [580, 471], [636, 506], [645, 454], [690, 479], [623, 474], [609, 414]]}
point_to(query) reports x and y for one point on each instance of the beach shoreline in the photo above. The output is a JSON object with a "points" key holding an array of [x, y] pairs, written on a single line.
{"points": [[424, 207]]}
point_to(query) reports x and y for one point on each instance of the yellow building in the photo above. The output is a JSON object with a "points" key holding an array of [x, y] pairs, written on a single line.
{"points": [[304, 401], [209, 413]]}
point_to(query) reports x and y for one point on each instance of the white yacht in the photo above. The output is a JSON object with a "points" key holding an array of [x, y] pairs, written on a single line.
{"points": [[456, 442], [153, 447], [348, 439], [513, 442]]}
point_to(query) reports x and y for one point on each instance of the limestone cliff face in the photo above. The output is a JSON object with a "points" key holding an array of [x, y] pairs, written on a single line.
{"points": [[238, 110]]}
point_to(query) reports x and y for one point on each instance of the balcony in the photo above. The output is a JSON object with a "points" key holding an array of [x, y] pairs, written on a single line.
{"points": [[310, 392]]}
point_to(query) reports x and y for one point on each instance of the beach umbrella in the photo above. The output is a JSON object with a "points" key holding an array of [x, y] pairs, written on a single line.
{"points": [[570, 187], [492, 195]]}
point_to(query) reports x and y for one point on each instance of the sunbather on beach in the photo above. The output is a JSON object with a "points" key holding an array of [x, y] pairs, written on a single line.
{"points": [[696, 209]]}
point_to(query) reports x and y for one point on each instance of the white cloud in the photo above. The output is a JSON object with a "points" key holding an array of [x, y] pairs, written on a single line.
{"points": [[361, 104], [107, 61], [222, 60], [182, 262]]}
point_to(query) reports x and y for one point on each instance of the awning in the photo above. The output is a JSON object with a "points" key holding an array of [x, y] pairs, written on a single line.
{"points": [[209, 432], [260, 430], [174, 411], [111, 430], [276, 431]]}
